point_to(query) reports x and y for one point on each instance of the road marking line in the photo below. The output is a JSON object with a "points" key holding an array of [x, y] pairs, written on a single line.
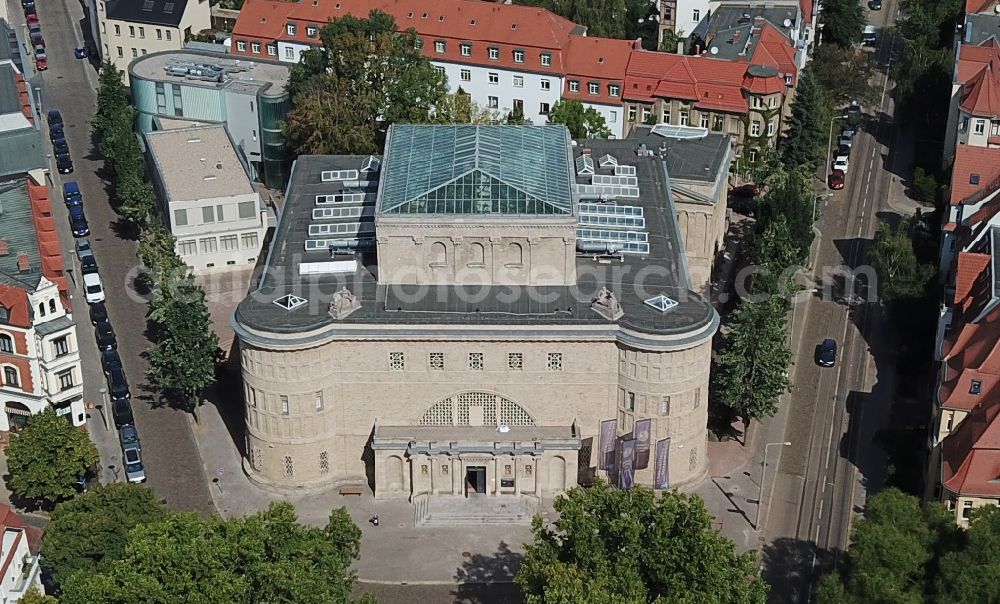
{"points": [[821, 502]]}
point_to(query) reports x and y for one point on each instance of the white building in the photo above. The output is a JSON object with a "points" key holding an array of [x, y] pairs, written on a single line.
{"points": [[206, 197], [19, 566]]}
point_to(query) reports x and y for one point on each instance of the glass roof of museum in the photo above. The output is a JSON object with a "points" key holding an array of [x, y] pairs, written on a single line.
{"points": [[470, 169]]}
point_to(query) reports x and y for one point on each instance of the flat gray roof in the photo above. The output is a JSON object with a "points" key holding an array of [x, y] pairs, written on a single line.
{"points": [[980, 28], [687, 158], [197, 163], [243, 76]]}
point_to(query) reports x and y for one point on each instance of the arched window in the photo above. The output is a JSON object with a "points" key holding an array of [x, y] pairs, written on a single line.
{"points": [[515, 254], [6, 343], [52, 305], [477, 254], [10, 377], [41, 309], [439, 253]]}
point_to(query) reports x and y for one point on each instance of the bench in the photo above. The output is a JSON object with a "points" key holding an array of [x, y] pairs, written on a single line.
{"points": [[352, 490]]}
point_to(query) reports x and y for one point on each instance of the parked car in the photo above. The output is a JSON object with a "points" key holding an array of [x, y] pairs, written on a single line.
{"points": [[118, 384], [99, 313], [35, 29], [72, 196], [55, 118], [105, 335], [80, 52], [869, 36], [88, 265], [827, 356], [41, 64], [841, 155], [128, 436], [134, 470], [842, 164], [78, 221], [109, 361], [31, 19], [25, 4], [64, 163], [875, 4], [847, 137], [93, 288], [121, 410], [56, 132], [837, 180], [843, 150], [60, 147], [29, 10]]}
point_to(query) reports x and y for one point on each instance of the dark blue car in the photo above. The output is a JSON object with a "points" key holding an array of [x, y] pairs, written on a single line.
{"points": [[71, 193], [827, 356], [78, 221]]}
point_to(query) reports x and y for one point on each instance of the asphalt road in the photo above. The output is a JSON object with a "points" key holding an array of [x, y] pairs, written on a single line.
{"points": [[835, 413], [173, 466]]}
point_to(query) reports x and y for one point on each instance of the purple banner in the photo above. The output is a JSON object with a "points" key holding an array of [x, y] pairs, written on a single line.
{"points": [[661, 479], [609, 432], [626, 464], [642, 431]]}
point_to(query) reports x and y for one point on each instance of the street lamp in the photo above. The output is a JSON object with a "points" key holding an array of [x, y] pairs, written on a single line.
{"points": [[103, 406], [760, 490], [829, 145]]}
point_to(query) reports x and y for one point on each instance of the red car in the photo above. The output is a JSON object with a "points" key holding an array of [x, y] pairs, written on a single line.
{"points": [[31, 18], [837, 179], [41, 63]]}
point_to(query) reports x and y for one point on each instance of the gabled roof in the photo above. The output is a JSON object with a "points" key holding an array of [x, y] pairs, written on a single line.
{"points": [[709, 83], [981, 94], [970, 460], [978, 6], [806, 6], [9, 518], [974, 173], [442, 170], [155, 12], [972, 59], [597, 59]]}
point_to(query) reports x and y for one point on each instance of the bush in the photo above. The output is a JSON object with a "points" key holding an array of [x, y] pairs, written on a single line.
{"points": [[925, 186]]}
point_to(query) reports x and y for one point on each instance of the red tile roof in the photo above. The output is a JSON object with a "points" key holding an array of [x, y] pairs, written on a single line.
{"points": [[978, 6], [974, 354], [774, 50], [22, 95], [981, 94], [53, 267], [969, 160], [603, 60], [968, 269], [806, 6], [9, 518], [709, 83], [972, 59], [15, 300], [970, 460]]}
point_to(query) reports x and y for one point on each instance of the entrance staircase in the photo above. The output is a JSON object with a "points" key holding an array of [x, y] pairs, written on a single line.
{"points": [[475, 510]]}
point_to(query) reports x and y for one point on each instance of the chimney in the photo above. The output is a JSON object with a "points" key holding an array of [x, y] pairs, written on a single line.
{"points": [[23, 264], [4, 248], [680, 47]]}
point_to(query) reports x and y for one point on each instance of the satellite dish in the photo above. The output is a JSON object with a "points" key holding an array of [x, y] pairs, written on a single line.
{"points": [[787, 22], [996, 8], [714, 50]]}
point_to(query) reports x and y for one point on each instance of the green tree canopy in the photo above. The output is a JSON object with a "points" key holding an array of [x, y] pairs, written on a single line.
{"points": [[459, 108], [583, 122], [35, 596], [969, 567], [790, 199], [611, 546], [47, 457], [603, 18], [88, 533], [267, 557], [842, 22], [804, 140], [328, 118], [901, 277], [843, 75]]}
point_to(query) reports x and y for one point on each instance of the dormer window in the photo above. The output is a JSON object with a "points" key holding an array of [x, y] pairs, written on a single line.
{"points": [[466, 50], [546, 59], [311, 31], [574, 86], [494, 53], [976, 387], [291, 29], [788, 79], [440, 46], [973, 179], [519, 56], [614, 90], [4, 313], [594, 88]]}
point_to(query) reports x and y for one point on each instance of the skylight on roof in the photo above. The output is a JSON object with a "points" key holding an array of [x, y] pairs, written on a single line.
{"points": [[290, 301], [608, 161], [584, 165], [147, 5], [168, 8], [681, 132], [371, 164], [661, 303]]}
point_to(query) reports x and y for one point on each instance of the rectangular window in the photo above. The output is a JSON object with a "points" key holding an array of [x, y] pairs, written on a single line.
{"points": [[135, 52], [574, 86], [593, 88], [249, 241], [118, 30], [219, 215], [187, 247], [230, 243], [475, 361], [717, 122], [103, 28], [178, 101], [630, 403], [545, 84], [284, 405], [555, 361], [143, 51], [435, 360], [397, 362], [494, 53], [518, 81], [980, 126], [703, 121], [246, 209], [770, 128], [966, 510], [318, 400], [493, 77], [685, 118], [519, 105], [466, 50], [142, 33], [61, 346], [180, 218], [614, 90], [290, 29], [465, 75], [159, 34], [755, 128], [121, 53], [665, 406], [168, 33], [439, 69], [272, 50], [241, 46], [311, 31], [665, 114], [161, 98], [696, 15], [631, 113], [255, 48], [10, 377], [209, 245], [546, 59], [543, 108], [492, 102], [289, 53], [208, 214], [613, 117], [65, 379], [131, 31], [976, 387], [949, 422], [440, 46], [519, 56], [515, 361]]}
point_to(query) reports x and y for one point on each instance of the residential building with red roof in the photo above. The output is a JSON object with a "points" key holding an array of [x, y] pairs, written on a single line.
{"points": [[19, 560], [39, 353]]}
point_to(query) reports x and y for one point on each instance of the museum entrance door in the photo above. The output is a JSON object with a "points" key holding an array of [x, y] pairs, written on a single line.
{"points": [[475, 480]]}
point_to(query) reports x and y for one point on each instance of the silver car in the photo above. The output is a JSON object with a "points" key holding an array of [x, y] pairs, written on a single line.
{"points": [[134, 471]]}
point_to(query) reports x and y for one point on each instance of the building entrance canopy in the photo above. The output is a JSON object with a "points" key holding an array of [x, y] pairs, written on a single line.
{"points": [[476, 439]]}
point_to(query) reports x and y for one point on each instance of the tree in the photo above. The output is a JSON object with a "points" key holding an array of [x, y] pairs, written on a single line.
{"points": [[88, 533], [901, 276], [611, 545], [516, 117], [459, 108], [842, 22], [670, 41], [642, 19], [774, 251], [842, 74], [112, 100], [968, 573], [156, 249], [790, 199], [924, 185], [47, 457], [802, 145], [363, 74], [267, 557], [185, 356], [583, 122], [34, 596], [136, 197], [752, 367], [892, 553]]}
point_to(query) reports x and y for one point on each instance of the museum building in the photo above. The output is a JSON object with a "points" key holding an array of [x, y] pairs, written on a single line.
{"points": [[469, 313]]}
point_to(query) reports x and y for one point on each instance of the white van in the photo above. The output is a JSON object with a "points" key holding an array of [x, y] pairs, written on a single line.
{"points": [[868, 36]]}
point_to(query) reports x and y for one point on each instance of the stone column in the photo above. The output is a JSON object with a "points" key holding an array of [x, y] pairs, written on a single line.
{"points": [[457, 471]]}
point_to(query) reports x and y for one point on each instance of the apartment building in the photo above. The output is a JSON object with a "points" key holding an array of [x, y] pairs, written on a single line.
{"points": [[39, 352], [207, 199], [20, 140], [20, 569], [188, 87], [128, 29]]}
